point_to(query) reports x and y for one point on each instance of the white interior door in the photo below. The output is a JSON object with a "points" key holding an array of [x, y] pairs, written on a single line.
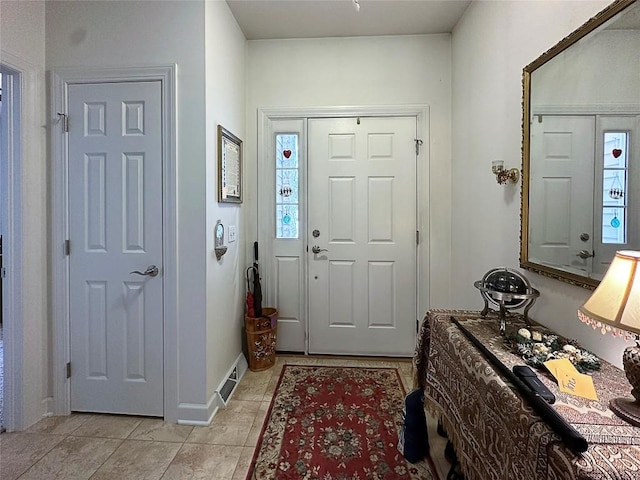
{"points": [[115, 223], [560, 207], [362, 203]]}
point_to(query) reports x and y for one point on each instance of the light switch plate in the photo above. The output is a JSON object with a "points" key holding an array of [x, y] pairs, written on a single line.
{"points": [[232, 233]]}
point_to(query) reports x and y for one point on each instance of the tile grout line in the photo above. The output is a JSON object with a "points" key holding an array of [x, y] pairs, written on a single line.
{"points": [[44, 455], [268, 378], [111, 454]]}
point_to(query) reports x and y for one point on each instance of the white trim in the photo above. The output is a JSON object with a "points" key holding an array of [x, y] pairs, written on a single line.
{"points": [[202, 414], [20, 74], [60, 81], [199, 414], [344, 111], [608, 109], [421, 112], [188, 410]]}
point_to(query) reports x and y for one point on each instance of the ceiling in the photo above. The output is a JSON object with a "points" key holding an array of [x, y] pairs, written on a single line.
{"points": [[270, 19]]}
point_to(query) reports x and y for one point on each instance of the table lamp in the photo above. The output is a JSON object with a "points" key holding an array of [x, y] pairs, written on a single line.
{"points": [[615, 307]]}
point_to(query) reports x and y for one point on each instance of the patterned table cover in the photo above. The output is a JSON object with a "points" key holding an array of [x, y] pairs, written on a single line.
{"points": [[495, 433]]}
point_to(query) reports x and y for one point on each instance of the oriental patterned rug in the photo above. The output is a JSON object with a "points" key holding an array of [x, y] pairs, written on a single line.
{"points": [[335, 423]]}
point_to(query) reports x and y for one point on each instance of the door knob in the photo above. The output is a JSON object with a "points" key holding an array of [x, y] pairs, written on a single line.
{"points": [[585, 254], [151, 271], [316, 249]]}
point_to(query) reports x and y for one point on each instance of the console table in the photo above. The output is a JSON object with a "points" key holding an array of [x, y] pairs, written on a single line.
{"points": [[496, 434]]}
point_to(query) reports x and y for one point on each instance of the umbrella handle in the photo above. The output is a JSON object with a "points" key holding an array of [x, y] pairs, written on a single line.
{"points": [[248, 279]]}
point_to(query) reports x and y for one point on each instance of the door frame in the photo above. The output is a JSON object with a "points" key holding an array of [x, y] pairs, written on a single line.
{"points": [[22, 76], [423, 213], [61, 79]]}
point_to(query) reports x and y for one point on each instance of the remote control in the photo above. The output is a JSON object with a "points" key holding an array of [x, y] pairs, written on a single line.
{"points": [[530, 378]]}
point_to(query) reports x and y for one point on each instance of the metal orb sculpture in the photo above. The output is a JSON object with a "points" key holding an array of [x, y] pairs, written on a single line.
{"points": [[506, 289]]}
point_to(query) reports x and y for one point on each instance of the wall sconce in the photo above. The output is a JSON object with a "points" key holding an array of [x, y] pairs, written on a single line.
{"points": [[503, 176]]}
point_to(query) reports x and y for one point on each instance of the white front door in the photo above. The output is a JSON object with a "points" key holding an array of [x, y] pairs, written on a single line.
{"points": [[115, 228], [362, 217], [616, 171], [560, 211]]}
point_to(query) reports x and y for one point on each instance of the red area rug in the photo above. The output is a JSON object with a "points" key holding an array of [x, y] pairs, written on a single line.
{"points": [[335, 423]]}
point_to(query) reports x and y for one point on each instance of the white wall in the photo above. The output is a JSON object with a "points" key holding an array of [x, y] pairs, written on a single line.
{"points": [[491, 45], [22, 44], [608, 66], [208, 50], [225, 50], [362, 72]]}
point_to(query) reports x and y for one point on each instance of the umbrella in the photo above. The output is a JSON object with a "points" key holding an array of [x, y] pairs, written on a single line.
{"points": [[250, 309], [257, 288]]}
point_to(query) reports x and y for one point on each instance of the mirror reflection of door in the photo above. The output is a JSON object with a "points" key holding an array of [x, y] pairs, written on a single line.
{"points": [[561, 193], [572, 225], [616, 207], [593, 72]]}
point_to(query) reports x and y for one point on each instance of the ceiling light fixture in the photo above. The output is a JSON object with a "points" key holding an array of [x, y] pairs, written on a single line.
{"points": [[356, 4]]}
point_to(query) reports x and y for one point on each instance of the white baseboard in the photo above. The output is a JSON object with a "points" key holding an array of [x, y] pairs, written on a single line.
{"points": [[48, 406], [198, 413], [202, 414]]}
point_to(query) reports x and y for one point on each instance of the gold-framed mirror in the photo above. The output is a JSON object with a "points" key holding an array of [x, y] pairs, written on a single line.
{"points": [[581, 149]]}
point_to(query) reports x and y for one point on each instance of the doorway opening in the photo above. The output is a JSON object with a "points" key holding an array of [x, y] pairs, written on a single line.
{"points": [[355, 213], [71, 90], [2, 216], [10, 241]]}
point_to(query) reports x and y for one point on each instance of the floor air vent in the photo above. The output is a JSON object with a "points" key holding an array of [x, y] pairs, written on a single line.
{"points": [[229, 385]]}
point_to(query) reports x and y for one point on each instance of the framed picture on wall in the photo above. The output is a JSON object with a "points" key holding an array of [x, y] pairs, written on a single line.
{"points": [[229, 167]]}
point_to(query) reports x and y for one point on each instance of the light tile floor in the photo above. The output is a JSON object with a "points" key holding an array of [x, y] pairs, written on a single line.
{"points": [[1, 382], [83, 446]]}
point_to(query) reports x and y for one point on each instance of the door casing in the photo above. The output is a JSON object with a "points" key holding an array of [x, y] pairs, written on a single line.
{"points": [[60, 81], [421, 113], [17, 75]]}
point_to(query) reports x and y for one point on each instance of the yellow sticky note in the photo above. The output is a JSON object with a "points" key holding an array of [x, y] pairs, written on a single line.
{"points": [[570, 380], [560, 365], [578, 384]]}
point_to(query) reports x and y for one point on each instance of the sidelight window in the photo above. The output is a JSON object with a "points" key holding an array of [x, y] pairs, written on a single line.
{"points": [[287, 174], [615, 174]]}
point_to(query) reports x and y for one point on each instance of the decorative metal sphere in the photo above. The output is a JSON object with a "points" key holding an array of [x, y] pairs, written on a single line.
{"points": [[504, 280]]}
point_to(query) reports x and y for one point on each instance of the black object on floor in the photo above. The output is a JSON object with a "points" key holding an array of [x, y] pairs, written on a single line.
{"points": [[455, 472], [450, 453], [414, 437]]}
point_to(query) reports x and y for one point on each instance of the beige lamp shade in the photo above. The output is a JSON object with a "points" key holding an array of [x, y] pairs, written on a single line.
{"points": [[615, 305]]}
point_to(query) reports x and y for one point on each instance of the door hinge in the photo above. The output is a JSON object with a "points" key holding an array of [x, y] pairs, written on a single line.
{"points": [[68, 369], [65, 121], [417, 237], [67, 247], [418, 143], [3, 272]]}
